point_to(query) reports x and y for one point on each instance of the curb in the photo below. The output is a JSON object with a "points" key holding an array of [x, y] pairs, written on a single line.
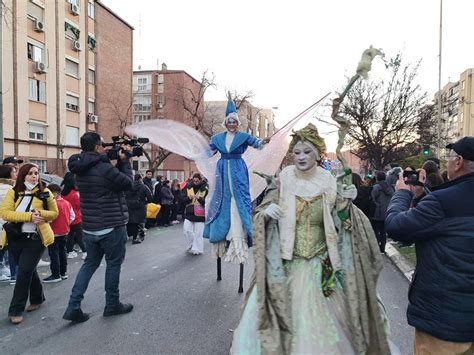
{"points": [[403, 265]]}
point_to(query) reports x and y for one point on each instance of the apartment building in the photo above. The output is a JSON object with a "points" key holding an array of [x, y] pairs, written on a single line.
{"points": [[457, 114], [466, 100], [51, 77], [167, 94]]}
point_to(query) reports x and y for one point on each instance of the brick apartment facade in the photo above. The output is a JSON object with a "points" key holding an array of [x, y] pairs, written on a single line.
{"points": [[51, 77], [114, 77], [160, 94]]}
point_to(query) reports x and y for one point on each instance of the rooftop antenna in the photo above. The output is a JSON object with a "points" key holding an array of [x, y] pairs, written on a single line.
{"points": [[140, 58]]}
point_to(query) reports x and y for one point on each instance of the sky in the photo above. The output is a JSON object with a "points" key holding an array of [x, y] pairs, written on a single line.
{"points": [[291, 53]]}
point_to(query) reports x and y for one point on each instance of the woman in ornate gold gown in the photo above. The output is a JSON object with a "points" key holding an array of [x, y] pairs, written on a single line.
{"points": [[313, 290]]}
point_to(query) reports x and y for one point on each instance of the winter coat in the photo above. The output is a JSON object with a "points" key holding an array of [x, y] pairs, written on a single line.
{"points": [[137, 199], [200, 192], [9, 214], [381, 195], [101, 187], [441, 296], [61, 224], [166, 196], [157, 193], [5, 186], [74, 200], [148, 183], [364, 201]]}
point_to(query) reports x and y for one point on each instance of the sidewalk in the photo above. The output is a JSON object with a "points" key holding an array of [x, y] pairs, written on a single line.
{"points": [[404, 266]]}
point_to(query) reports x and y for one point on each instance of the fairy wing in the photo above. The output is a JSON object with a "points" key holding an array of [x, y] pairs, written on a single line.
{"points": [[180, 139]]}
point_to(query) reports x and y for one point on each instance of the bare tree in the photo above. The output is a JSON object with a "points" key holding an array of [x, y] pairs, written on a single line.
{"points": [[192, 101], [384, 114], [240, 98], [122, 111]]}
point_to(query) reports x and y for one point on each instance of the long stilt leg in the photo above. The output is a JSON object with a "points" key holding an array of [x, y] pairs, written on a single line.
{"points": [[219, 278], [241, 278]]}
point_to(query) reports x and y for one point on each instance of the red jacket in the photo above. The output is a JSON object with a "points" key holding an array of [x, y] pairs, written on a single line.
{"points": [[61, 224], [73, 198]]}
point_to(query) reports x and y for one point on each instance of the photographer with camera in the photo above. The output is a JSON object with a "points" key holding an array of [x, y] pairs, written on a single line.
{"points": [[441, 296], [104, 218]]}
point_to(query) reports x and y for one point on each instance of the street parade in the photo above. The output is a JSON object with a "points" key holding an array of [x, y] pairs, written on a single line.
{"points": [[315, 197]]}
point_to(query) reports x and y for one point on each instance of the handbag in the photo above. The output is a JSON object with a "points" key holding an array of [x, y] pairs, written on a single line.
{"points": [[199, 211]]}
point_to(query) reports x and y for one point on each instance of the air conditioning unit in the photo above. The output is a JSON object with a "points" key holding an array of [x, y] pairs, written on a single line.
{"points": [[93, 118], [76, 45], [74, 10], [159, 105], [39, 26], [39, 67]]}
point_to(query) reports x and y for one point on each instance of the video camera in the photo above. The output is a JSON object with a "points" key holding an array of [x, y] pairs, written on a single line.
{"points": [[412, 177], [116, 147]]}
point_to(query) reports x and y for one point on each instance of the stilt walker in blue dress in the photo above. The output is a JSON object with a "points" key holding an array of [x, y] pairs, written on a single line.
{"points": [[229, 215]]}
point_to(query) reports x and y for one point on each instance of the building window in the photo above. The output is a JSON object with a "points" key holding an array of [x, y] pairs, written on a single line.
{"points": [[71, 31], [72, 136], [35, 11], [91, 9], [72, 68], [91, 76], [42, 165], [144, 165], [72, 102], [37, 90], [91, 107], [91, 42], [35, 52], [142, 103], [140, 118], [160, 101], [75, 2], [142, 84], [37, 132]]}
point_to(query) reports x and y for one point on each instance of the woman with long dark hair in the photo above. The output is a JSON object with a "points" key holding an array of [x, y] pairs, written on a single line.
{"points": [[71, 194], [28, 207]]}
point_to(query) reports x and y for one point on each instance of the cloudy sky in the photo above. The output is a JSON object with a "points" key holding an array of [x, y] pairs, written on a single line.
{"points": [[290, 53]]}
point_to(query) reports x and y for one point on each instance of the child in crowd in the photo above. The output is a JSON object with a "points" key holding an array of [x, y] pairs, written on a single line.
{"points": [[61, 228]]}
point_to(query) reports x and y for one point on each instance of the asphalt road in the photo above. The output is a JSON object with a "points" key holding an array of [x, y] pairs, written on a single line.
{"points": [[180, 308]]}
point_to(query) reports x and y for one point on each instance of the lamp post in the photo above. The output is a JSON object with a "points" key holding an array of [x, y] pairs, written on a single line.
{"points": [[438, 150]]}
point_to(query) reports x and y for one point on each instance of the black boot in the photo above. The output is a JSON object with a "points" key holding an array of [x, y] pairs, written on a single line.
{"points": [[121, 308], [75, 315]]}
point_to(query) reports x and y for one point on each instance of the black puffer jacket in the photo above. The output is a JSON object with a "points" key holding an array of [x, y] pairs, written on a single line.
{"points": [[441, 296], [101, 189], [137, 199]]}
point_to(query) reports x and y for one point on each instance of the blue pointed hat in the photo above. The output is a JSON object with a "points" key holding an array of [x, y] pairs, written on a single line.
{"points": [[230, 108]]}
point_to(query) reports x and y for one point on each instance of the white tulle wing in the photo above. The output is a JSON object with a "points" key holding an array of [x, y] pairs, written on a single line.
{"points": [[173, 136], [180, 139]]}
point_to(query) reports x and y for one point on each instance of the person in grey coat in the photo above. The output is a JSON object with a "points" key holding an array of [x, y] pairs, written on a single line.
{"points": [[381, 195], [137, 199], [166, 202]]}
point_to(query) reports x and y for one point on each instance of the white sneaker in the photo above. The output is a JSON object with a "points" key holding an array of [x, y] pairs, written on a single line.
{"points": [[71, 255], [43, 263], [84, 255], [4, 277]]}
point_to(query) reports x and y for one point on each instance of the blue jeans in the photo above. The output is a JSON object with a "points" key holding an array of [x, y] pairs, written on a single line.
{"points": [[112, 245]]}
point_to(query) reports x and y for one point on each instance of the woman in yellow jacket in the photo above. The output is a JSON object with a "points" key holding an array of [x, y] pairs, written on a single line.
{"points": [[31, 206]]}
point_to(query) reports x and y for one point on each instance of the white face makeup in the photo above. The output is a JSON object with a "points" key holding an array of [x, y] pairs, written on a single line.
{"points": [[305, 156], [232, 125]]}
